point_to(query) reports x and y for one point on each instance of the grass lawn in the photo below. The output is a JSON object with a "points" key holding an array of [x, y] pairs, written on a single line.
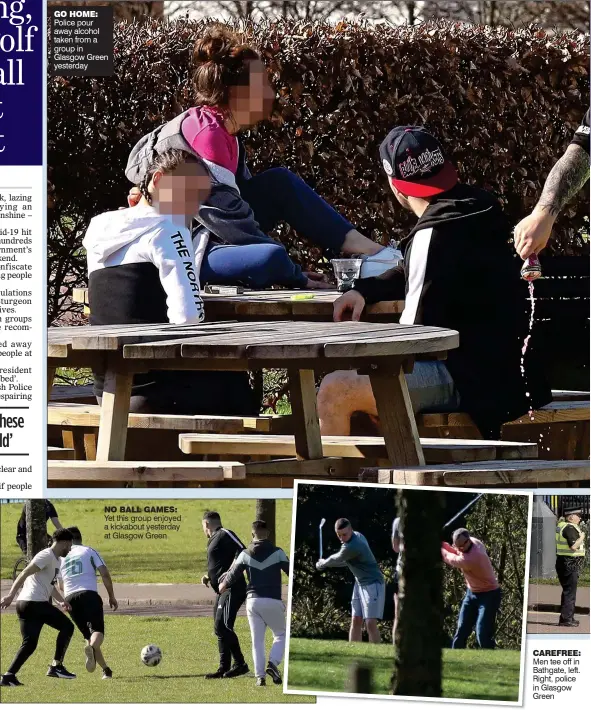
{"points": [[189, 651], [471, 674], [179, 558]]}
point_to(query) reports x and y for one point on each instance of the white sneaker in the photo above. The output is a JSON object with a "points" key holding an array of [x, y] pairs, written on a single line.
{"points": [[377, 264], [90, 659]]}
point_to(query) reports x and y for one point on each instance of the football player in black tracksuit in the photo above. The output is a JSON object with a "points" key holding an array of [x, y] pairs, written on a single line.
{"points": [[222, 549]]}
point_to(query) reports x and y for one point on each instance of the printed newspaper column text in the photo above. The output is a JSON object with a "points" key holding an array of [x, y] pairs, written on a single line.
{"points": [[81, 41], [555, 672], [16, 336]]}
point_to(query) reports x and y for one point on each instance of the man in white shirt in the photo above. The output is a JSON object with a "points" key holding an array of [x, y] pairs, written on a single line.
{"points": [[79, 586], [34, 609]]}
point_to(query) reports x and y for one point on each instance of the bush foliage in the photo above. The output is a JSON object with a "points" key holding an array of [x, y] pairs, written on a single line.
{"points": [[505, 104], [321, 602]]}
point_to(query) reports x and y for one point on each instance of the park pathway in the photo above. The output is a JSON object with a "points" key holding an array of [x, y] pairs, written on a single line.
{"points": [[544, 610], [157, 599]]}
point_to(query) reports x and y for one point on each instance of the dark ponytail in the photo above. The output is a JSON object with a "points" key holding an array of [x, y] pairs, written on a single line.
{"points": [[221, 61]]}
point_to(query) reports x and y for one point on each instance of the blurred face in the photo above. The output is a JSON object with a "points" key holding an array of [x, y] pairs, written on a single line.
{"points": [[62, 548], [205, 527], [345, 534], [400, 197], [181, 192], [574, 518], [253, 103], [463, 543]]}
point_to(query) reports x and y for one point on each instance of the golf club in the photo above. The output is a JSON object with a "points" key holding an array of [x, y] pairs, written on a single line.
{"points": [[320, 531], [470, 504]]}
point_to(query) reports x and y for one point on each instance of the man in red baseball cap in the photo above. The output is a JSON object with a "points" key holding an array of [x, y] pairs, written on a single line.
{"points": [[458, 272]]}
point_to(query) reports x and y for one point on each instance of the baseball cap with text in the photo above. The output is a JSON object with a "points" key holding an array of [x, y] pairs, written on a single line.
{"points": [[415, 163]]}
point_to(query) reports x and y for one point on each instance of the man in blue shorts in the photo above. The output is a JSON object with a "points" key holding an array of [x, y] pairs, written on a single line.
{"points": [[369, 592]]}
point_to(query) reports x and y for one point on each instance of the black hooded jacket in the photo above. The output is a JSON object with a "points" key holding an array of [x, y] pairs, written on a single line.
{"points": [[222, 549], [460, 272]]}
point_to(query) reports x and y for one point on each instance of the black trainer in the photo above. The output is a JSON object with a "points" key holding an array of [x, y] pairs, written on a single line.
{"points": [[571, 623], [10, 679], [220, 673], [60, 671], [273, 671], [261, 682], [107, 674], [236, 670]]}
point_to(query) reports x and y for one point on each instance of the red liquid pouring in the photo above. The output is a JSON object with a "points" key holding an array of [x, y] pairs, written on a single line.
{"points": [[530, 271]]}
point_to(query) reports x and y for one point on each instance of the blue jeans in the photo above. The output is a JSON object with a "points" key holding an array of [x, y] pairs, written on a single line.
{"points": [[480, 610], [432, 388], [275, 195]]}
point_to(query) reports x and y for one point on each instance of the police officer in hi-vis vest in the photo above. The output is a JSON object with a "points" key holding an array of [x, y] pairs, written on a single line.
{"points": [[570, 554]]}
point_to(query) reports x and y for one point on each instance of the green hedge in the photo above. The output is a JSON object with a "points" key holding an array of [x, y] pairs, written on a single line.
{"points": [[505, 104]]}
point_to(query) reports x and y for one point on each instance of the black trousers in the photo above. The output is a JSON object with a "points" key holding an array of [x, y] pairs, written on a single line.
{"points": [[567, 571], [32, 617], [226, 608]]}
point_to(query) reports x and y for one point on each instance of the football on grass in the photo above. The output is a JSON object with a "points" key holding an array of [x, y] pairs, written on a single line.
{"points": [[151, 655]]}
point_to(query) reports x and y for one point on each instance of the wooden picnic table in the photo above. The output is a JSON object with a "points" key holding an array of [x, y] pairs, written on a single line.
{"points": [[384, 351], [279, 304]]}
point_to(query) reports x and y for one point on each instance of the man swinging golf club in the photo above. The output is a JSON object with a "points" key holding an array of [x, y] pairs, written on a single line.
{"points": [[483, 595], [369, 592]]}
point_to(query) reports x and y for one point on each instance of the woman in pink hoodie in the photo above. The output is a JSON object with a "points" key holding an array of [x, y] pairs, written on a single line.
{"points": [[483, 595]]}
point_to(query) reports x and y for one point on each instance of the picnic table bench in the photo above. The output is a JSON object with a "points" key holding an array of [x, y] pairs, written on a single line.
{"points": [[383, 351], [515, 473], [365, 447]]}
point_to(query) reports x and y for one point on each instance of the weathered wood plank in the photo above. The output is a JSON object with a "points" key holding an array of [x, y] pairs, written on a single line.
{"points": [[489, 473], [114, 410], [50, 378], [88, 415], [55, 452], [396, 417], [557, 412], [436, 450], [302, 388], [273, 303], [145, 471]]}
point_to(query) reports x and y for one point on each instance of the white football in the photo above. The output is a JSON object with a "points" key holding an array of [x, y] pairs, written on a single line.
{"points": [[151, 655]]}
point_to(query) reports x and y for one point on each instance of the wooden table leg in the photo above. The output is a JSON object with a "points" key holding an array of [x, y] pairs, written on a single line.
{"points": [[114, 413], [397, 418], [50, 379], [302, 389]]}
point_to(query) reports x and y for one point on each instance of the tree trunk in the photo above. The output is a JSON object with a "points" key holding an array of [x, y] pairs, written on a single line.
{"points": [[417, 664], [36, 527], [265, 510]]}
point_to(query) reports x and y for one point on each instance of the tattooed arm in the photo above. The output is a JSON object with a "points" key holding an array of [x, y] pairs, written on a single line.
{"points": [[566, 178]]}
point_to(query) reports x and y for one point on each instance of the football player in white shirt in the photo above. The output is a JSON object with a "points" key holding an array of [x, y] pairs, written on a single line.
{"points": [[80, 590], [34, 609]]}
